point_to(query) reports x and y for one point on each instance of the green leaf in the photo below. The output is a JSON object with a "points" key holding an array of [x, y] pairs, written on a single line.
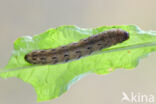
{"points": [[50, 81]]}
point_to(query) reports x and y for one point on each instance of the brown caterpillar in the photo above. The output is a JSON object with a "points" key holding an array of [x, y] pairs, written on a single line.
{"points": [[76, 50]]}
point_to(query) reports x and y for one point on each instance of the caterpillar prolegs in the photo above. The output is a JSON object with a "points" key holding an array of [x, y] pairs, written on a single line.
{"points": [[76, 50]]}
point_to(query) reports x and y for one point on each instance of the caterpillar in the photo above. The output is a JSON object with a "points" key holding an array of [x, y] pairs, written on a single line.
{"points": [[76, 50]]}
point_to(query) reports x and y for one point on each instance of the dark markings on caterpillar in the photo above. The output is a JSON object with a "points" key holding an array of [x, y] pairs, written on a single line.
{"points": [[77, 50], [53, 57], [65, 55]]}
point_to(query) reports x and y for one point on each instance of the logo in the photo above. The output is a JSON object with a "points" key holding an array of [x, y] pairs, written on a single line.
{"points": [[137, 98]]}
